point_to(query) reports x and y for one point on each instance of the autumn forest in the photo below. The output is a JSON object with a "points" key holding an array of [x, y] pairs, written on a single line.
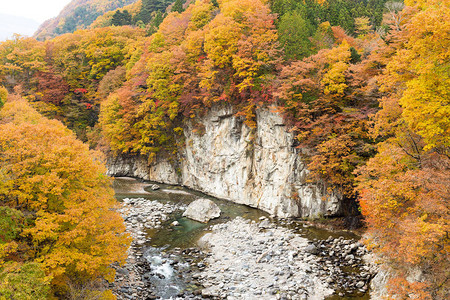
{"points": [[364, 86]]}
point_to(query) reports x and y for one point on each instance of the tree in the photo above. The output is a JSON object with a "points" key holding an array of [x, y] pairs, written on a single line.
{"points": [[294, 32], [52, 86], [75, 235], [405, 187], [150, 6], [157, 18], [20, 59], [121, 18], [24, 281], [3, 96], [112, 81], [178, 6], [11, 225], [323, 98]]}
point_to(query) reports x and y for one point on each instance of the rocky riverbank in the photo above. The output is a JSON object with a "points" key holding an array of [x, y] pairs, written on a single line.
{"points": [[239, 259], [141, 214], [250, 263], [250, 260]]}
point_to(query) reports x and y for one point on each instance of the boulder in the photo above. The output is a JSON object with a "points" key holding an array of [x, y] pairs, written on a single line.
{"points": [[203, 242], [202, 210], [155, 187], [311, 249]]}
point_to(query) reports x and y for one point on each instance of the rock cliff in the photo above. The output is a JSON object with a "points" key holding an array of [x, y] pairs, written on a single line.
{"points": [[260, 169]]}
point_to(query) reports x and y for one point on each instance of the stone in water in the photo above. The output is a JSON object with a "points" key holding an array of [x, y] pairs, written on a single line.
{"points": [[202, 210]]}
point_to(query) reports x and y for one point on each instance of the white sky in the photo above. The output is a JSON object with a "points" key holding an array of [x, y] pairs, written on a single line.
{"points": [[39, 10]]}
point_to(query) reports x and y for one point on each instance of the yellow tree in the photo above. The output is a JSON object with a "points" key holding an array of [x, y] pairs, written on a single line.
{"points": [[405, 187], [3, 95], [45, 170], [20, 59]]}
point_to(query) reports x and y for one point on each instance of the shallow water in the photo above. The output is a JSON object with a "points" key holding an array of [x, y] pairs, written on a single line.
{"points": [[186, 234]]}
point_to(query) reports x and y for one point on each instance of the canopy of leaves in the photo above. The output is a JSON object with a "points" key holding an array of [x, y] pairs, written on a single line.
{"points": [[61, 77], [23, 281], [324, 99], [106, 19], [337, 12], [405, 187], [198, 57], [3, 96], [150, 7], [11, 223], [295, 30], [75, 235]]}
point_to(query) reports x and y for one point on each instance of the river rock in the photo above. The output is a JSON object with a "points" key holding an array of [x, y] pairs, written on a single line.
{"points": [[233, 271], [202, 210], [311, 249], [155, 187]]}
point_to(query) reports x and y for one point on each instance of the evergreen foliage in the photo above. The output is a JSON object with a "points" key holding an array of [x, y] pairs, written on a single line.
{"points": [[337, 12], [178, 6], [121, 18], [295, 32], [152, 6]]}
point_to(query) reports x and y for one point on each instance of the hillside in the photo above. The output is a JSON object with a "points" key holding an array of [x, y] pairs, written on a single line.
{"points": [[13, 24], [78, 14], [245, 99]]}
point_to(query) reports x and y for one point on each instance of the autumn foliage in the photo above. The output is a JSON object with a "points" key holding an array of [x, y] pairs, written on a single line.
{"points": [[326, 100], [59, 185], [362, 85], [202, 56], [404, 189]]}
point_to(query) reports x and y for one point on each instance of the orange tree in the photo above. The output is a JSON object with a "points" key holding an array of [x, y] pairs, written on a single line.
{"points": [[405, 187], [326, 99]]}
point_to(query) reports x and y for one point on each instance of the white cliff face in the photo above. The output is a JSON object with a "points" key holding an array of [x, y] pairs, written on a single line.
{"points": [[137, 166], [262, 170]]}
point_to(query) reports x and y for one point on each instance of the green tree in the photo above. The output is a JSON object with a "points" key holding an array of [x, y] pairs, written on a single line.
{"points": [[11, 223], [156, 20], [3, 96], [294, 32], [121, 18], [178, 6], [150, 6]]}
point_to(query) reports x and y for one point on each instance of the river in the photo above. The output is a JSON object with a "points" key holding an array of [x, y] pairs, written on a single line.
{"points": [[165, 261]]}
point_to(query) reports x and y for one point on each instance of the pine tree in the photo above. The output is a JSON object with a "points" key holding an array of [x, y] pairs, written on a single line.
{"points": [[150, 6], [178, 6], [121, 18]]}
